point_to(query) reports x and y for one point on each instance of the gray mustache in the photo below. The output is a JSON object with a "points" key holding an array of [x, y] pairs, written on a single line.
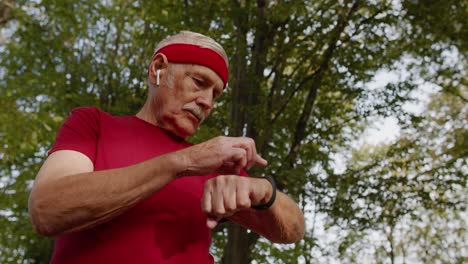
{"points": [[197, 111]]}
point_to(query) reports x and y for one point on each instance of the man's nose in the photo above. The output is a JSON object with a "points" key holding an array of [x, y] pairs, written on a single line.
{"points": [[205, 100]]}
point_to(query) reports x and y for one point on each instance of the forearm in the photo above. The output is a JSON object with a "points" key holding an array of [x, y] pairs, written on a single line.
{"points": [[80, 201], [283, 222]]}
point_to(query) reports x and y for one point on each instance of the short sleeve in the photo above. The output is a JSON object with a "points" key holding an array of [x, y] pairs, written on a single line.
{"points": [[80, 132]]}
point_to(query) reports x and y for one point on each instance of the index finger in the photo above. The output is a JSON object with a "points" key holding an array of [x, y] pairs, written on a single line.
{"points": [[260, 161], [249, 145]]}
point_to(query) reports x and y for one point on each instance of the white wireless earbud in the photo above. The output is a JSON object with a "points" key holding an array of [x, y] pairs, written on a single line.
{"points": [[157, 77]]}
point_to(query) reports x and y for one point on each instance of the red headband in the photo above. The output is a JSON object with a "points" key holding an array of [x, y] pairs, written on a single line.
{"points": [[189, 53]]}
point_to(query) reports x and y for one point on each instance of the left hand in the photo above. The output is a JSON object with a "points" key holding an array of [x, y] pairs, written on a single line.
{"points": [[225, 195]]}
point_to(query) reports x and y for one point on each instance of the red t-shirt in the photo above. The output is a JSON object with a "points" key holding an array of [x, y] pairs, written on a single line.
{"points": [[168, 227]]}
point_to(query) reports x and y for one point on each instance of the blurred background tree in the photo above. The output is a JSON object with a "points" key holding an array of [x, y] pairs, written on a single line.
{"points": [[304, 83]]}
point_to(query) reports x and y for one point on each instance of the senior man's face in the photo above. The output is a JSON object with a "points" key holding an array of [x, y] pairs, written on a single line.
{"points": [[181, 104]]}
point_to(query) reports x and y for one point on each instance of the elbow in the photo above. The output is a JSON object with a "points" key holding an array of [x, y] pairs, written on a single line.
{"points": [[38, 218], [290, 238], [42, 230], [292, 234], [297, 235], [299, 232], [286, 239]]}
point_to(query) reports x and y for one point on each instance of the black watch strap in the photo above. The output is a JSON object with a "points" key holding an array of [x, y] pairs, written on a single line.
{"points": [[273, 195]]}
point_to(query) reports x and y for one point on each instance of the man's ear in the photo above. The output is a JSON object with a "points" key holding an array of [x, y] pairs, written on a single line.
{"points": [[159, 62]]}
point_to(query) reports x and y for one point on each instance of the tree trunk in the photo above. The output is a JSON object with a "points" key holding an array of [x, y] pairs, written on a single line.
{"points": [[6, 6], [235, 251], [245, 93], [237, 248]]}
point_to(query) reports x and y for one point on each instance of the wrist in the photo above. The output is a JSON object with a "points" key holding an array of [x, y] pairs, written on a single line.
{"points": [[268, 191], [270, 196], [181, 164]]}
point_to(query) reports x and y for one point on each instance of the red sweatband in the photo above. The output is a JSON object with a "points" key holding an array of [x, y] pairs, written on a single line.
{"points": [[189, 53]]}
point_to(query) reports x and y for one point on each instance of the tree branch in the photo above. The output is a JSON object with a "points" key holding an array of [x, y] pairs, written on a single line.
{"points": [[5, 11], [358, 27], [308, 105], [296, 89]]}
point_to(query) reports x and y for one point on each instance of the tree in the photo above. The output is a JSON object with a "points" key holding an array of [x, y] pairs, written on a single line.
{"points": [[419, 177], [5, 11], [298, 86]]}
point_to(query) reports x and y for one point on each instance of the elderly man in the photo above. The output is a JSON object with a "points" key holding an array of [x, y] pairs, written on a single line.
{"points": [[131, 190]]}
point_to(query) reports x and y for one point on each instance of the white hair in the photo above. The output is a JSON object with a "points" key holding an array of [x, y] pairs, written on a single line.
{"points": [[189, 37]]}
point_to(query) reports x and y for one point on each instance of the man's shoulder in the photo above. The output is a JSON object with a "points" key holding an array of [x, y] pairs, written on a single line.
{"points": [[90, 110]]}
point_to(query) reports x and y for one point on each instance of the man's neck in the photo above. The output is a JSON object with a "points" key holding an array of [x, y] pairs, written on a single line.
{"points": [[147, 115]]}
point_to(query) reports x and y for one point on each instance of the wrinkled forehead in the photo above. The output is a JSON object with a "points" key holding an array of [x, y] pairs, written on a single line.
{"points": [[195, 54], [204, 73]]}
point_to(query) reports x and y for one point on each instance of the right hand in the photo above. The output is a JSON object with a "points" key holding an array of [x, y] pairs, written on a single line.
{"points": [[224, 155], [225, 195]]}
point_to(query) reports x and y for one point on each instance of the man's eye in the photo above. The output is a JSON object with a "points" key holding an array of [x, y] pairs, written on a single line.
{"points": [[198, 81]]}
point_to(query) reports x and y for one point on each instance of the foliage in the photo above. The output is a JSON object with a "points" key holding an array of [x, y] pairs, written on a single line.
{"points": [[299, 85], [400, 186]]}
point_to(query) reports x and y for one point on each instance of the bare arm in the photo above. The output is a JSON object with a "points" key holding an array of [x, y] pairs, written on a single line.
{"points": [[283, 222], [68, 196]]}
